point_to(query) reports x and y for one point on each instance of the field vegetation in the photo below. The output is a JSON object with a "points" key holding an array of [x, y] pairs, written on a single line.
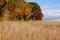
{"points": [[29, 30]]}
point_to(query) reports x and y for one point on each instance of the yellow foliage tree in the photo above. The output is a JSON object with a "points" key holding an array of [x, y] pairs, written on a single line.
{"points": [[17, 9], [22, 10]]}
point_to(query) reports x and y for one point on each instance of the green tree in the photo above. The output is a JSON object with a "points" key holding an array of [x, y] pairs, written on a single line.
{"points": [[35, 6]]}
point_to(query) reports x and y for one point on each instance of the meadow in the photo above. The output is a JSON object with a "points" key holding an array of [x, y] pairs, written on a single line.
{"points": [[29, 30]]}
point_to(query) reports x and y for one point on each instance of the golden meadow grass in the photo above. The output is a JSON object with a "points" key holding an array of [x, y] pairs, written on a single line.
{"points": [[29, 30]]}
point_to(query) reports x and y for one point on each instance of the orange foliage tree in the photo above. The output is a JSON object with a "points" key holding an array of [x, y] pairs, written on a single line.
{"points": [[20, 10]]}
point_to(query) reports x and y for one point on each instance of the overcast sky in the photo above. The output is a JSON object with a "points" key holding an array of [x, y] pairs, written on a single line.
{"points": [[50, 8]]}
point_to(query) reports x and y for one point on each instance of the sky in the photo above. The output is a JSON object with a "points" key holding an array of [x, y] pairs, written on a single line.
{"points": [[50, 9]]}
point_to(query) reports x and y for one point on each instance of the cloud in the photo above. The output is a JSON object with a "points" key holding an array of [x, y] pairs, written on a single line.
{"points": [[50, 13], [58, 6]]}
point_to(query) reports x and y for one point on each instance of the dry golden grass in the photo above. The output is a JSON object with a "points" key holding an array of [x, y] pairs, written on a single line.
{"points": [[29, 30]]}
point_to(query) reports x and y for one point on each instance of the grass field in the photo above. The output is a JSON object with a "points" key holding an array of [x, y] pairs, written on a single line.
{"points": [[29, 30]]}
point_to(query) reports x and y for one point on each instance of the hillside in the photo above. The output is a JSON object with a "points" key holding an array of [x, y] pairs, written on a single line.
{"points": [[29, 30]]}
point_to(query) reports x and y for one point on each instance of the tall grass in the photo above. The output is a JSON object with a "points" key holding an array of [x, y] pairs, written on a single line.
{"points": [[29, 30]]}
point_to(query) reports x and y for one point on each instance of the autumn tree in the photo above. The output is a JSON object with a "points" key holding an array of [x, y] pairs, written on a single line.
{"points": [[36, 12], [19, 9], [2, 5]]}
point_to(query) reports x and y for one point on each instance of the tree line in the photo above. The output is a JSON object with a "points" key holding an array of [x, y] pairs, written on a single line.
{"points": [[19, 10]]}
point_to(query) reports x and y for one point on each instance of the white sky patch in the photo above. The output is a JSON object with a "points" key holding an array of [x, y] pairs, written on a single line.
{"points": [[51, 14], [58, 6], [27, 1], [30, 0]]}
